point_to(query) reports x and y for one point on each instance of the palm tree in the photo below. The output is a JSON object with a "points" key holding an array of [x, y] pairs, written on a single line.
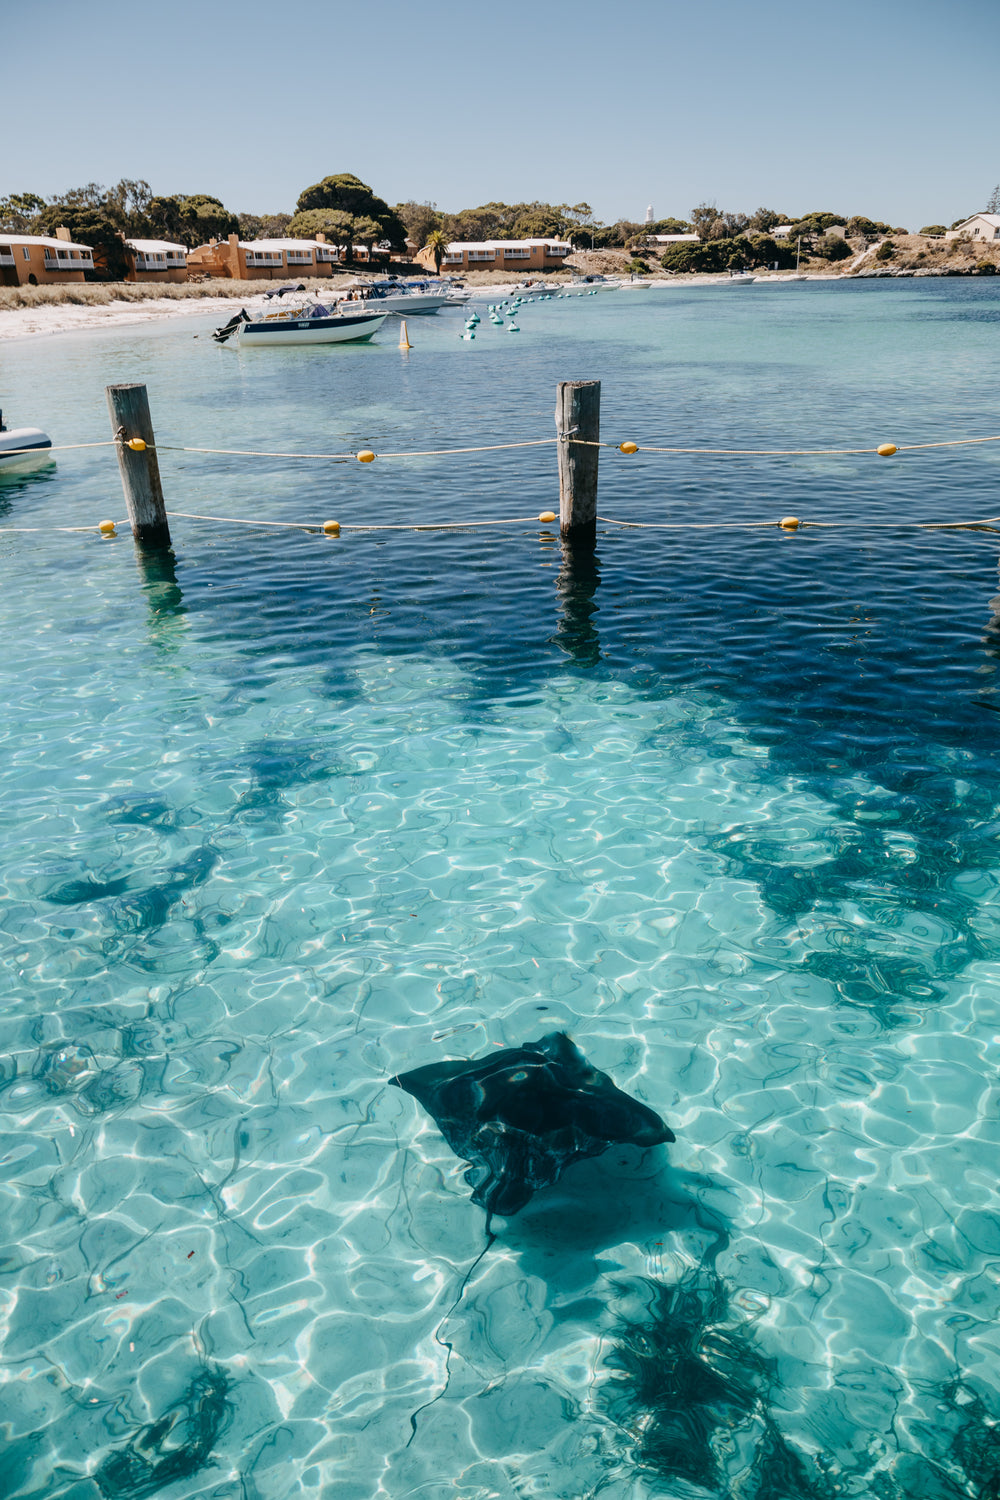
{"points": [[437, 243]]}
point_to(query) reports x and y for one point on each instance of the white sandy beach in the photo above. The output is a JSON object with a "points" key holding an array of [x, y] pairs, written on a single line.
{"points": [[64, 317]]}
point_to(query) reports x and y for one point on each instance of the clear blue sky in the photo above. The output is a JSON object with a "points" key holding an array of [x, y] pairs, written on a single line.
{"points": [[881, 107]]}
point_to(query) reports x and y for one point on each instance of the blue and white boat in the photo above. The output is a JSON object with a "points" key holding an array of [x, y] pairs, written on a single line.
{"points": [[300, 322]]}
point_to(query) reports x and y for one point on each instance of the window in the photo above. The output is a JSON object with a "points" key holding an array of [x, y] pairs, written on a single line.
{"points": [[25, 252]]}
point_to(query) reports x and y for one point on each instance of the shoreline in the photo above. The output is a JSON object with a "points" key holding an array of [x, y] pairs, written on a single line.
{"points": [[66, 315], [51, 318]]}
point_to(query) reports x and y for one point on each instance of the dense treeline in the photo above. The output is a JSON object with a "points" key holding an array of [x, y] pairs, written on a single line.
{"points": [[347, 212], [341, 206]]}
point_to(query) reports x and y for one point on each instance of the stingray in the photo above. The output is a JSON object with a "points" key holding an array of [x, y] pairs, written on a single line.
{"points": [[521, 1116]]}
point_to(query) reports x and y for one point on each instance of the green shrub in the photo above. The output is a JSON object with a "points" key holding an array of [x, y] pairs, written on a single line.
{"points": [[985, 268], [833, 247], [886, 251], [934, 230]]}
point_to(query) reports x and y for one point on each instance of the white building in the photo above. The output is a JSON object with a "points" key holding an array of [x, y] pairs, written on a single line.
{"points": [[157, 258], [504, 255], [979, 227]]}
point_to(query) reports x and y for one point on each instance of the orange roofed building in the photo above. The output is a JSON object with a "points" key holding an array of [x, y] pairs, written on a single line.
{"points": [[268, 260], [156, 260], [512, 256], [36, 260]]}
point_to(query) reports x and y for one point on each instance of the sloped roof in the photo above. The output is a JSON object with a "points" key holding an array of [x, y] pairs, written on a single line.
{"points": [[156, 247], [41, 239]]}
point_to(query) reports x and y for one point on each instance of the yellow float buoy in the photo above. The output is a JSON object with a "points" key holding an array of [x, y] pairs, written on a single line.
{"points": [[332, 528], [885, 450], [404, 337], [789, 523], [628, 447], [107, 528], [366, 456], [547, 515], [136, 444]]}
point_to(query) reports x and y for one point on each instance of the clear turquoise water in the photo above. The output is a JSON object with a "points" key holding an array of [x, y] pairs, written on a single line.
{"points": [[296, 814]]}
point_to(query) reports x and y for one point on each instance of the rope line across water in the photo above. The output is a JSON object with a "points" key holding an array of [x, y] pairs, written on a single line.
{"points": [[358, 526], [416, 453], [531, 443], [986, 523]]}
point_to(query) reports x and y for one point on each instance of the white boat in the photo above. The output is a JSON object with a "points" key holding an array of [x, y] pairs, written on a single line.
{"points": [[798, 275], [23, 447], [301, 323], [739, 278], [404, 297]]}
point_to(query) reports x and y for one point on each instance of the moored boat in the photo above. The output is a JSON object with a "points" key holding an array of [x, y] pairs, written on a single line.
{"points": [[395, 295], [23, 447], [309, 323]]}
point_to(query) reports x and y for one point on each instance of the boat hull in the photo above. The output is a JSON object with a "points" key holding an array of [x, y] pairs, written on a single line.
{"points": [[36, 446], [406, 303], [348, 329]]}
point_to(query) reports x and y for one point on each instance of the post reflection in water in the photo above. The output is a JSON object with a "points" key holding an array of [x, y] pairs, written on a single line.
{"points": [[164, 597], [576, 586]]}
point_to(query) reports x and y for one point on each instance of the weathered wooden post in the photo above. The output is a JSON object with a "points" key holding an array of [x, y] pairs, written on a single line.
{"points": [[136, 448], [578, 415]]}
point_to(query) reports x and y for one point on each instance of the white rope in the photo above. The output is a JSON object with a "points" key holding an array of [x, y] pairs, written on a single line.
{"points": [[423, 453], [349, 526]]}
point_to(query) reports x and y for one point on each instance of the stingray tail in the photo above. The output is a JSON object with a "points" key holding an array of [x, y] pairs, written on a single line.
{"points": [[446, 1343]]}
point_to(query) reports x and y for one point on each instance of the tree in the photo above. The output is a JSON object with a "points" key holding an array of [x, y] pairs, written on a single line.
{"points": [[263, 226], [127, 203], [367, 232], [19, 211], [166, 219], [540, 222], [669, 226], [702, 219], [437, 243], [204, 218], [833, 247], [90, 225], [993, 206], [763, 219], [858, 227], [418, 219], [814, 224], [350, 195], [934, 230], [338, 227]]}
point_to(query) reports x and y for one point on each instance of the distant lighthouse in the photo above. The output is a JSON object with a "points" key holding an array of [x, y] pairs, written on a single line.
{"points": [[649, 213]]}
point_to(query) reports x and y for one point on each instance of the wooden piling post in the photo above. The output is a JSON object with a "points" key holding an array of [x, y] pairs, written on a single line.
{"points": [[578, 415], [128, 406]]}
